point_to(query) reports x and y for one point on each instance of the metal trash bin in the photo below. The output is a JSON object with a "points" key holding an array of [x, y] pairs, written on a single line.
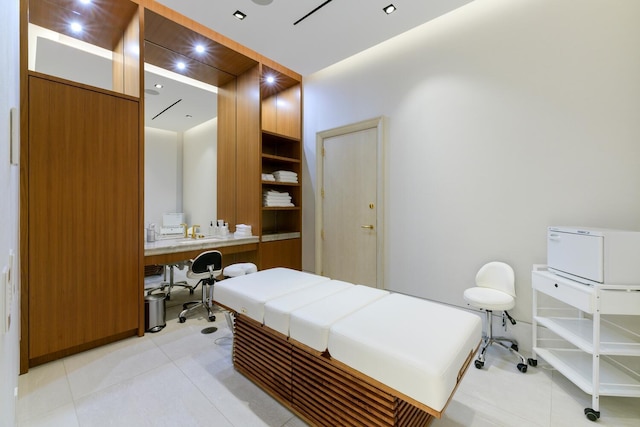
{"points": [[154, 312]]}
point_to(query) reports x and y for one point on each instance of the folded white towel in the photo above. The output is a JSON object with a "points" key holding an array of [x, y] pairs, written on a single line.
{"points": [[268, 177], [275, 193], [270, 204], [285, 173], [291, 180]]}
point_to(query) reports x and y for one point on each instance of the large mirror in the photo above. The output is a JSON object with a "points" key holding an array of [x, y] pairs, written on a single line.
{"points": [[181, 131]]}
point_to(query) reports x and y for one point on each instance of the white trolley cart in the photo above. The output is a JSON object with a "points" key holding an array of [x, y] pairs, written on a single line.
{"points": [[600, 355]]}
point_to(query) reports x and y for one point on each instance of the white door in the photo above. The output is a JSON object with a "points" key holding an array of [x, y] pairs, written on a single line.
{"points": [[350, 199]]}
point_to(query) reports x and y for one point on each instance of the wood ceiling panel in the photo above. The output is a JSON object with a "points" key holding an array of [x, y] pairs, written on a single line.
{"points": [[104, 21], [161, 31]]}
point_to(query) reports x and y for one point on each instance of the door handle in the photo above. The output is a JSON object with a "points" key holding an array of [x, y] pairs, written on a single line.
{"points": [[367, 226]]}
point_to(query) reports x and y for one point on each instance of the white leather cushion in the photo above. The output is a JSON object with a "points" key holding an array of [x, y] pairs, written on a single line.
{"points": [[489, 299], [247, 294], [277, 312], [310, 324], [414, 346]]}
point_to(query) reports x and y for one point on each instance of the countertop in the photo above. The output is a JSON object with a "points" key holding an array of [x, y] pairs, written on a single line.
{"points": [[183, 244]]}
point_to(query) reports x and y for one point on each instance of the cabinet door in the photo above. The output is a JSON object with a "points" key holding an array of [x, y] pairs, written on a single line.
{"points": [[83, 204], [281, 253]]}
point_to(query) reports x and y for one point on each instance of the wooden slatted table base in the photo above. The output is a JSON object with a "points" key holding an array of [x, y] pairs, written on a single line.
{"points": [[315, 387]]}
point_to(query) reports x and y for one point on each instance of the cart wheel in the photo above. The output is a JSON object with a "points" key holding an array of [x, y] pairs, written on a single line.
{"points": [[479, 364], [591, 414], [182, 319], [522, 367], [532, 362], [514, 347], [212, 318]]}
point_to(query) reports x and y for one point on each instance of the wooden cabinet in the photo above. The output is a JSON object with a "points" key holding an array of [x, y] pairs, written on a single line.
{"points": [[82, 198], [281, 153]]}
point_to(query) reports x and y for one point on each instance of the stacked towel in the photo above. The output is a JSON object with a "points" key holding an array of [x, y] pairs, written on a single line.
{"points": [[242, 230], [286, 176], [272, 198], [268, 177]]}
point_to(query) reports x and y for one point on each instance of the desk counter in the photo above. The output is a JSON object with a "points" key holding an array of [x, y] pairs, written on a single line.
{"points": [[174, 250]]}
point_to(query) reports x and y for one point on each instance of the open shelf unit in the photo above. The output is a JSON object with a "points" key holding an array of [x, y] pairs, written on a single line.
{"points": [[599, 355]]}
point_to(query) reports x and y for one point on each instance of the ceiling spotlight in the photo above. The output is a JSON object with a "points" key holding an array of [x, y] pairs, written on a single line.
{"points": [[199, 48], [270, 79], [389, 9], [239, 15], [85, 1], [181, 66], [158, 86], [76, 27]]}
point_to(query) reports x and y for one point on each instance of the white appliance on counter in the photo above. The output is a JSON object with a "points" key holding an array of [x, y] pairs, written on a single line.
{"points": [[594, 255]]}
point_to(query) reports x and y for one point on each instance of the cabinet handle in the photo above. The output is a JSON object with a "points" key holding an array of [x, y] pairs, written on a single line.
{"points": [[367, 226]]}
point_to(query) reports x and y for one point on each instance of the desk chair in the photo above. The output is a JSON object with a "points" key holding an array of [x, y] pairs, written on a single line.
{"points": [[205, 267], [495, 290]]}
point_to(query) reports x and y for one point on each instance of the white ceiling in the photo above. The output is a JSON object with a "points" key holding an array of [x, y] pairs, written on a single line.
{"points": [[339, 29]]}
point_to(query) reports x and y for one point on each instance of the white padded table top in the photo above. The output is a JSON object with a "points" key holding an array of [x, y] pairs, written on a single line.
{"points": [[414, 346], [310, 324], [248, 294], [277, 311]]}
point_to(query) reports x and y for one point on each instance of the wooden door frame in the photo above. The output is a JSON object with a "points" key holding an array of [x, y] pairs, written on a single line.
{"points": [[381, 184]]}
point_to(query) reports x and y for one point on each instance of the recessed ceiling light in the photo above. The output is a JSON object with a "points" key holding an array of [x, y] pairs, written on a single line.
{"points": [[75, 27], [199, 48], [181, 66], [85, 1], [389, 9], [270, 79], [239, 15], [158, 86]]}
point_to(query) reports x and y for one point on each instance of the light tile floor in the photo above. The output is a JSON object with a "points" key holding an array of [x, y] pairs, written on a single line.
{"points": [[181, 376]]}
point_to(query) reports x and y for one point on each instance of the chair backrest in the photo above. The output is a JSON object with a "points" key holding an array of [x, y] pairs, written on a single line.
{"points": [[497, 275], [209, 261]]}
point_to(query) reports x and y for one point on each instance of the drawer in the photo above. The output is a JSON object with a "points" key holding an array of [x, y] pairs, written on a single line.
{"points": [[575, 294]]}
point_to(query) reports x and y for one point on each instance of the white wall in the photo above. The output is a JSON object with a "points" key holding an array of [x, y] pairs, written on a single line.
{"points": [[9, 213], [504, 117], [200, 173], [163, 174]]}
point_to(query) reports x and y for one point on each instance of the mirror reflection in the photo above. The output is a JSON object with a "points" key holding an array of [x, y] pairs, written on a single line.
{"points": [[181, 130]]}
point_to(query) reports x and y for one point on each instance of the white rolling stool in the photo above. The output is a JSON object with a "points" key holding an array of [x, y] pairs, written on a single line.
{"points": [[495, 290], [236, 270], [239, 269]]}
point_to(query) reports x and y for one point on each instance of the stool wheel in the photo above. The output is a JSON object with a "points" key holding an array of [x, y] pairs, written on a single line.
{"points": [[212, 318], [522, 367], [182, 319], [479, 364], [532, 362], [514, 347], [191, 291]]}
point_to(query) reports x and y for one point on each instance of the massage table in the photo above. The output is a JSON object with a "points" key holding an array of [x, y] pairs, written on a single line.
{"points": [[337, 353]]}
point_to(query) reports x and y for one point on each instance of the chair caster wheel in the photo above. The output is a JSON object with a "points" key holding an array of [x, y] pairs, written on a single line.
{"points": [[532, 362], [212, 318], [591, 414], [479, 364], [522, 367], [514, 347], [182, 319]]}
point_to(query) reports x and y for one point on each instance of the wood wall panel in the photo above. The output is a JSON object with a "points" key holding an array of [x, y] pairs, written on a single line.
{"points": [[226, 167], [83, 217], [248, 184]]}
